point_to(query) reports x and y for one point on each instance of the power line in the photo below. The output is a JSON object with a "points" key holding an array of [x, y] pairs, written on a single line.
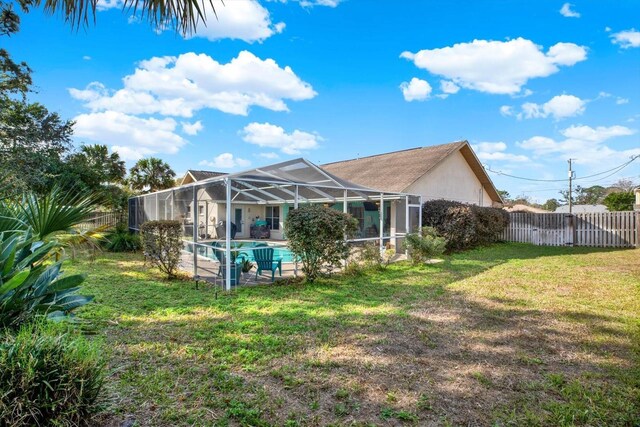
{"points": [[615, 170]]}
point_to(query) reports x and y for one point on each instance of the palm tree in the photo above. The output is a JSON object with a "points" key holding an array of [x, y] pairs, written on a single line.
{"points": [[183, 15], [152, 174]]}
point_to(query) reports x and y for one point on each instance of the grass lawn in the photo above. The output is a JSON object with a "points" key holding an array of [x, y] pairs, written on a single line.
{"points": [[507, 335]]}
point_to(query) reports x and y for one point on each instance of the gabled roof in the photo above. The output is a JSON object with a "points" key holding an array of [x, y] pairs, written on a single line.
{"points": [[396, 171], [198, 175]]}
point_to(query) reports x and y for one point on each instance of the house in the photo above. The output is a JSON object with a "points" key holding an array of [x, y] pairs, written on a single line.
{"points": [[448, 171], [579, 209], [267, 194]]}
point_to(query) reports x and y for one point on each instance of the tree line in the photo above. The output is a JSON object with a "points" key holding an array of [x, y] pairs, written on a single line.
{"points": [[36, 149], [616, 197]]}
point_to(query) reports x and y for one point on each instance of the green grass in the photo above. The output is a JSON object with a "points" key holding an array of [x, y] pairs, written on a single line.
{"points": [[507, 335]]}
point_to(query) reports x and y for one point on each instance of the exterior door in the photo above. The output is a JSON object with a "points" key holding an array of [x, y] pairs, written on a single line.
{"points": [[238, 220]]}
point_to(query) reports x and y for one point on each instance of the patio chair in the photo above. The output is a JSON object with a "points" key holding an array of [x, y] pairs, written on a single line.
{"points": [[265, 262]]}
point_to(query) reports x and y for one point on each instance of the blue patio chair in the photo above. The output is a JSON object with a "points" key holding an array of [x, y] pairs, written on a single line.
{"points": [[265, 262]]}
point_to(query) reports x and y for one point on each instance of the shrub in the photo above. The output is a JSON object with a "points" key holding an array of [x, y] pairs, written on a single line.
{"points": [[48, 376], [122, 240], [427, 244], [30, 287], [316, 235], [620, 201], [371, 256], [464, 226], [162, 244]]}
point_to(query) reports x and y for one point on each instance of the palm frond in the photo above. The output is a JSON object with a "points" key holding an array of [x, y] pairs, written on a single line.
{"points": [[57, 211], [183, 15]]}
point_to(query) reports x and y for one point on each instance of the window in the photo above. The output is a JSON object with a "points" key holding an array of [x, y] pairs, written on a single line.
{"points": [[358, 213], [273, 217]]}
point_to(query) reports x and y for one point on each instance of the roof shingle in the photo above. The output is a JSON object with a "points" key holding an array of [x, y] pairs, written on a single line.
{"points": [[394, 171]]}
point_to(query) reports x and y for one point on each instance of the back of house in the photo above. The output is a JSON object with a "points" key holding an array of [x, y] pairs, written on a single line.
{"points": [[447, 171]]}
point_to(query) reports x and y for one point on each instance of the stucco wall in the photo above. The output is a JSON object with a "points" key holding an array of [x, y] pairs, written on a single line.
{"points": [[452, 179]]}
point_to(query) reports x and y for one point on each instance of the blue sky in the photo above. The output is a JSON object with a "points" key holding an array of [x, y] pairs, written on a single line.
{"points": [[528, 84]]}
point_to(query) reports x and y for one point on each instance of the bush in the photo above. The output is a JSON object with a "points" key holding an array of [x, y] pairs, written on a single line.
{"points": [[464, 226], [162, 244], [316, 235], [122, 240], [425, 245], [48, 376], [370, 256], [620, 201]]}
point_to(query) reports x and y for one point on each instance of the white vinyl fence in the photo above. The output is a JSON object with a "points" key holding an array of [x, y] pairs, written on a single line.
{"points": [[607, 229]]}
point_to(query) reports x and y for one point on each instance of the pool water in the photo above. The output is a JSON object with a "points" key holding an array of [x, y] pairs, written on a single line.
{"points": [[244, 249]]}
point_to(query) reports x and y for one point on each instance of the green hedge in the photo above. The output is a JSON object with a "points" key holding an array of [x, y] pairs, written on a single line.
{"points": [[464, 226], [162, 244], [49, 376]]}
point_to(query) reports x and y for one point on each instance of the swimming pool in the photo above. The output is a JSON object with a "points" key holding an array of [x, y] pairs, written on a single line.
{"points": [[244, 248]]}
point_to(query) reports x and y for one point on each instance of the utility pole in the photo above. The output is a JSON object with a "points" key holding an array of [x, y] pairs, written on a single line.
{"points": [[570, 187]]}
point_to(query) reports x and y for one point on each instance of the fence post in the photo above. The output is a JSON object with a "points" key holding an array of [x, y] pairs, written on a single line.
{"points": [[570, 225]]}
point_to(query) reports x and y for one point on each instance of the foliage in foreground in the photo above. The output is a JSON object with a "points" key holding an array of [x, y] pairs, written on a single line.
{"points": [[162, 245], [316, 235], [425, 245], [48, 376], [47, 215], [464, 226], [29, 287]]}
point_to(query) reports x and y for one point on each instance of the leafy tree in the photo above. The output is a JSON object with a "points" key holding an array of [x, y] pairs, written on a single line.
{"points": [[504, 194], [585, 195], [152, 174], [33, 142], [620, 201], [551, 205], [107, 168], [316, 235]]}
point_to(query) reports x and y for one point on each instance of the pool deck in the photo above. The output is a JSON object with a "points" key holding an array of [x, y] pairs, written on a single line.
{"points": [[207, 271]]}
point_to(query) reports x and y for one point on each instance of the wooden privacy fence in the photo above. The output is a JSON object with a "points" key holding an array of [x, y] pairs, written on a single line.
{"points": [[605, 229], [103, 218]]}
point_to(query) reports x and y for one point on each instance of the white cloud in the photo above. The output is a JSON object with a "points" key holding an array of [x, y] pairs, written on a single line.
{"points": [[272, 136], [558, 107], [109, 4], [567, 12], [178, 86], [449, 87], [86, 58], [506, 110], [270, 155], [584, 143], [225, 161], [607, 29], [598, 134], [496, 67], [312, 3], [415, 90], [621, 100], [244, 20], [132, 137], [627, 38], [192, 128], [496, 151]]}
